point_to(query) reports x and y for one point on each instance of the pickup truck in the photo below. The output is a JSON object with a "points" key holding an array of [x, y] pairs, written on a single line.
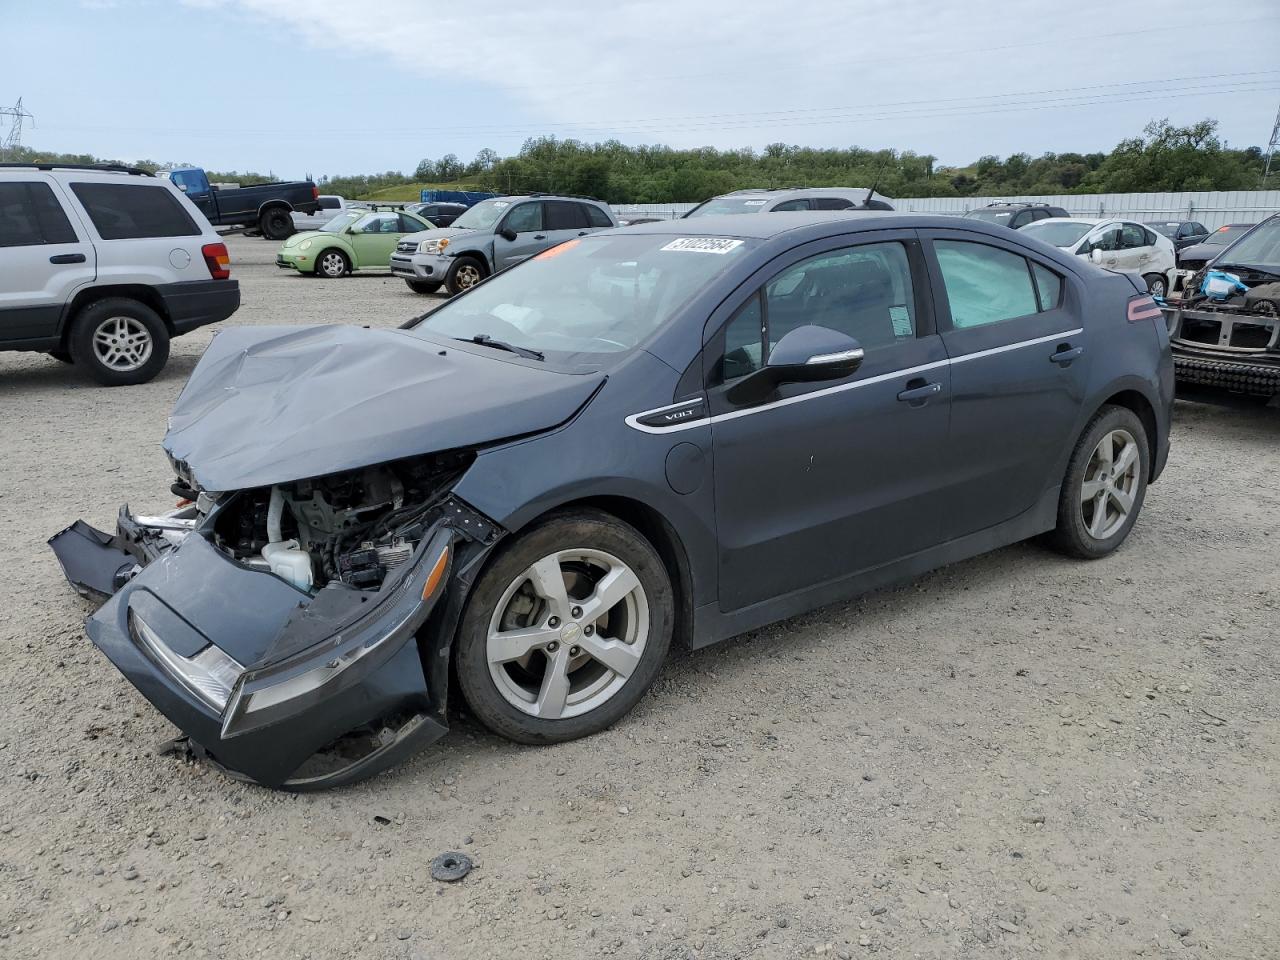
{"points": [[268, 206]]}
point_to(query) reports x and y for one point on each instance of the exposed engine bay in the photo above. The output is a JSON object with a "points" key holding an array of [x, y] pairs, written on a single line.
{"points": [[353, 527]]}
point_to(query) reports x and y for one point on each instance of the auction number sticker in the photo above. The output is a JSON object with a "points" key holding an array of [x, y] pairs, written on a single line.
{"points": [[720, 245], [754, 203]]}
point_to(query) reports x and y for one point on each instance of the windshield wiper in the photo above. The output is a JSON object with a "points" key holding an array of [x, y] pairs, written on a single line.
{"points": [[487, 341]]}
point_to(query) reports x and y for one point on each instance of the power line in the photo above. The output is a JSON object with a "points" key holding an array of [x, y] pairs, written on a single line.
{"points": [[1271, 148]]}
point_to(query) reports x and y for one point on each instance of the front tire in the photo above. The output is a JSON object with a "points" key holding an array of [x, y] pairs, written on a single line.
{"points": [[119, 342], [424, 286], [332, 264], [565, 630], [464, 273], [1105, 485], [276, 224], [1157, 285]]}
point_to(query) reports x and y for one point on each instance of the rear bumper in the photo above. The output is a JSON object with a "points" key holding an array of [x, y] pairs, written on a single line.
{"points": [[198, 303]]}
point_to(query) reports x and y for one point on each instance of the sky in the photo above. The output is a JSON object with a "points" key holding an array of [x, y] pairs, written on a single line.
{"points": [[327, 87]]}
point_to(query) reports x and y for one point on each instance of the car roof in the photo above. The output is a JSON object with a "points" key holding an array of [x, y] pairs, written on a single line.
{"points": [[1091, 221], [818, 223]]}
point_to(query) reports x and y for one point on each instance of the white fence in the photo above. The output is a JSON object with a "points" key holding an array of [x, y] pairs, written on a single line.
{"points": [[1212, 209]]}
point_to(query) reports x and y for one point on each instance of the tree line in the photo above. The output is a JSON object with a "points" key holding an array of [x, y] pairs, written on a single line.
{"points": [[1163, 158]]}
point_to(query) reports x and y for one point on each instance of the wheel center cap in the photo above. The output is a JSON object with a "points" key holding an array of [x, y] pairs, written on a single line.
{"points": [[570, 633]]}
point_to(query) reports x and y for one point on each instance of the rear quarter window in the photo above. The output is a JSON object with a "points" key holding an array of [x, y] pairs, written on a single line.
{"points": [[597, 217], [133, 211]]}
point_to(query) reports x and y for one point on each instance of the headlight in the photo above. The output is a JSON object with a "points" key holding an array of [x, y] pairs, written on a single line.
{"points": [[262, 697], [210, 675], [305, 245], [433, 246]]}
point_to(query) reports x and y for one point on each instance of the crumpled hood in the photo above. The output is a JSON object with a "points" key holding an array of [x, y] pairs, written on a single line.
{"points": [[269, 405]]}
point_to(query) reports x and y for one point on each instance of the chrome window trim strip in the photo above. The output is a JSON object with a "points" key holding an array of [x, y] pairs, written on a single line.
{"points": [[633, 420]]}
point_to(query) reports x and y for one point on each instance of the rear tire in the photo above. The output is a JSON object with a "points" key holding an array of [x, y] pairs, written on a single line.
{"points": [[464, 273], [119, 342], [61, 355], [1105, 485], [276, 224], [424, 286], [332, 264], [1157, 285], [540, 665]]}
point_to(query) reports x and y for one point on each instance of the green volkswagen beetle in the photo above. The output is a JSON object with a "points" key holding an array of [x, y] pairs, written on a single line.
{"points": [[356, 240]]}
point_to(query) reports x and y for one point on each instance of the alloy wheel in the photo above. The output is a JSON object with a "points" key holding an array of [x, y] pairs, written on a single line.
{"points": [[467, 276], [1110, 485], [332, 264], [567, 634], [1157, 288], [122, 344]]}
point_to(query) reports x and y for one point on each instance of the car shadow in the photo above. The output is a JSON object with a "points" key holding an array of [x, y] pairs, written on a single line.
{"points": [[37, 373]]}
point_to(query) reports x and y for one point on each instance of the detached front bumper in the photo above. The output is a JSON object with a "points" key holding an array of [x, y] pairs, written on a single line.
{"points": [[276, 686]]}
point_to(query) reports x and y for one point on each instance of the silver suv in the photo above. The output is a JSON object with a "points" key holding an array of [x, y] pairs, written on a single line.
{"points": [[792, 198], [493, 235], [100, 266]]}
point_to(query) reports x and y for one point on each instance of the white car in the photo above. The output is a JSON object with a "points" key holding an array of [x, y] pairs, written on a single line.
{"points": [[329, 207], [1121, 245], [101, 265]]}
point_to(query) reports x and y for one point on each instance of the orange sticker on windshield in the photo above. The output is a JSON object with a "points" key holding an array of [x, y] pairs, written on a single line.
{"points": [[557, 250]]}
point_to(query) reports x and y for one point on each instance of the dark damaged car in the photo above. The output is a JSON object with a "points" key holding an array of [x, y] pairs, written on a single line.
{"points": [[1229, 340], [671, 432]]}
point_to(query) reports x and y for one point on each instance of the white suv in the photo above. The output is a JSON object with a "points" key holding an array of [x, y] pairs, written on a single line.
{"points": [[100, 266], [1120, 245]]}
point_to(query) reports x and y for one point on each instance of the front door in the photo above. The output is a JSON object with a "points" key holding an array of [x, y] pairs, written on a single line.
{"points": [[46, 259], [823, 480], [376, 239], [1019, 358], [525, 221]]}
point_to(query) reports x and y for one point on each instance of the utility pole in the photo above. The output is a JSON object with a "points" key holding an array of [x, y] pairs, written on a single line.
{"points": [[16, 114], [1271, 148]]}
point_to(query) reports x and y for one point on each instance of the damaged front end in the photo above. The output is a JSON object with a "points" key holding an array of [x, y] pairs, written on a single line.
{"points": [[1231, 342], [298, 634]]}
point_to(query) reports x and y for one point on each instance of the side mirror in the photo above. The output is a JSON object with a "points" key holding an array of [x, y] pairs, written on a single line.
{"points": [[506, 233], [1095, 255], [807, 354]]}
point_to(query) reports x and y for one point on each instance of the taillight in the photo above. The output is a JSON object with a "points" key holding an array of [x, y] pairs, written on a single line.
{"points": [[1143, 308], [315, 192], [217, 260]]}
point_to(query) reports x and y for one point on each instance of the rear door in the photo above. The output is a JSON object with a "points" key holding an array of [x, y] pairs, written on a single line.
{"points": [[564, 220], [1019, 358], [824, 480], [44, 258]]}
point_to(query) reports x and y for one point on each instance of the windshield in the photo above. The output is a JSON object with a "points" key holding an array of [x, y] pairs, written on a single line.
{"points": [[483, 215], [1061, 233], [1001, 217], [1226, 234], [729, 205], [595, 295], [342, 220], [1261, 248]]}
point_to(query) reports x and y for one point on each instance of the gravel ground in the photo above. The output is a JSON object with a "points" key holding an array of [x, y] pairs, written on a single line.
{"points": [[1015, 756]]}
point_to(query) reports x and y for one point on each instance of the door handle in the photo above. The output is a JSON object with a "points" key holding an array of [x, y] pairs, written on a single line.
{"points": [[582, 233], [918, 395], [539, 236], [67, 258], [1065, 354]]}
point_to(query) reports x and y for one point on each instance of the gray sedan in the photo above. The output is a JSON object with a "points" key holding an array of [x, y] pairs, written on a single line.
{"points": [[667, 433]]}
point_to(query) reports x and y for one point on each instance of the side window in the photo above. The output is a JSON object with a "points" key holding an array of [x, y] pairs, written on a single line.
{"points": [[30, 215], [1108, 240], [984, 284], [525, 218], [563, 215], [410, 225], [1040, 214], [595, 216], [1048, 285], [1198, 230], [382, 223], [1132, 236], [743, 342], [832, 203], [791, 205], [129, 211], [863, 291], [1021, 220]]}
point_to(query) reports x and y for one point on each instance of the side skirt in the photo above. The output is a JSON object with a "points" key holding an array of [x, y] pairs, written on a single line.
{"points": [[712, 626]]}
